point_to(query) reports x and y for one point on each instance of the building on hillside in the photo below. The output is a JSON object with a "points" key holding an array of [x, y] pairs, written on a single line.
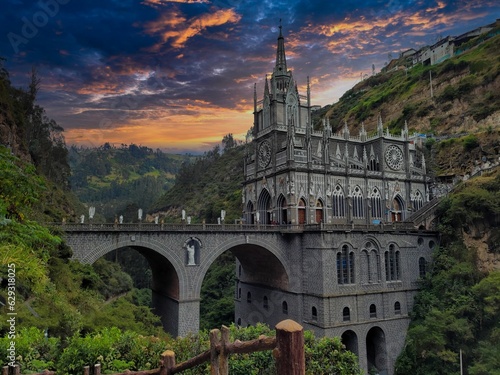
{"points": [[334, 199]]}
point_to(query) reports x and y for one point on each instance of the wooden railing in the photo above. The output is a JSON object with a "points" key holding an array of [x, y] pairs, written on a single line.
{"points": [[287, 347]]}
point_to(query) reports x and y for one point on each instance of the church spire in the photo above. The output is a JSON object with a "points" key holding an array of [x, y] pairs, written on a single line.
{"points": [[280, 67]]}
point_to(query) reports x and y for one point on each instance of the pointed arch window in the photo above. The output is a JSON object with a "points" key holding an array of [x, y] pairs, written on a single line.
{"points": [[358, 210], [417, 201], [373, 164], [338, 205], [376, 203], [345, 266]]}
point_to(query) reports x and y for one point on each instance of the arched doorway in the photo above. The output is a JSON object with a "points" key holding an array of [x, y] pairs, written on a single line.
{"points": [[350, 340], [397, 209], [376, 351], [319, 211], [302, 212], [249, 214], [282, 210], [264, 207]]}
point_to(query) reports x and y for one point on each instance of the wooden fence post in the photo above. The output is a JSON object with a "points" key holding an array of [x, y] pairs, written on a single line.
{"points": [[86, 370], [167, 362], [5, 370], [289, 351], [223, 356], [17, 370], [214, 356], [97, 369]]}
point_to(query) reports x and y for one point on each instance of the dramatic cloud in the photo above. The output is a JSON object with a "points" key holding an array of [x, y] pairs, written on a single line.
{"points": [[179, 74]]}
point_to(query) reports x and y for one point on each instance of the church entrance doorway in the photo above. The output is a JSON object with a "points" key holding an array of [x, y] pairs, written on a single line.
{"points": [[282, 210], [397, 209], [302, 212], [319, 212]]}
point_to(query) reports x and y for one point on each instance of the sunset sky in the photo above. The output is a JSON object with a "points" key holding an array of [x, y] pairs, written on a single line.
{"points": [[179, 74]]}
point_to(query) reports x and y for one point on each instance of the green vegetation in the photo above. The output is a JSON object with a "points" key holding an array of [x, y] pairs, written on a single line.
{"points": [[458, 307], [54, 293], [118, 181], [206, 186], [464, 83], [118, 350]]}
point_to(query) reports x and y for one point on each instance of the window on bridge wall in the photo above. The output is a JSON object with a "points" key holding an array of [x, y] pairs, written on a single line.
{"points": [[314, 313], [373, 311], [370, 264], [345, 266], [284, 307], [346, 314], [392, 264], [422, 267], [397, 308], [338, 204], [249, 297], [265, 303]]}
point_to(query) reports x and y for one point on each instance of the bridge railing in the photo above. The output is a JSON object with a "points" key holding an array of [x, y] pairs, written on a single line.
{"points": [[285, 228], [287, 347]]}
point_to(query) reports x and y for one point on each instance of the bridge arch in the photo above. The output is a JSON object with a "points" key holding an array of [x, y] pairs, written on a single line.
{"points": [[251, 253]]}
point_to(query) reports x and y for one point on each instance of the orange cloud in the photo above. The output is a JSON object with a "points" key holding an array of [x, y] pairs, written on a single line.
{"points": [[190, 124], [174, 26]]}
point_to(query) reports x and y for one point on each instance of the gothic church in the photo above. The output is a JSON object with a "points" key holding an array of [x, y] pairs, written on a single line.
{"points": [[339, 202]]}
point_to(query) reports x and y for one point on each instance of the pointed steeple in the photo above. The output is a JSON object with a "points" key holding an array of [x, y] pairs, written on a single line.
{"points": [[346, 130], [362, 133], [266, 87], [380, 125], [280, 67]]}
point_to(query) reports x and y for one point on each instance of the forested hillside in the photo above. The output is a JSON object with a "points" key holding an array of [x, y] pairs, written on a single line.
{"points": [[52, 292], [120, 180], [206, 186], [458, 307]]}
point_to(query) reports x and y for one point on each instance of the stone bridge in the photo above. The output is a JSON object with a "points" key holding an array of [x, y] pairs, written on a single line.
{"points": [[338, 280]]}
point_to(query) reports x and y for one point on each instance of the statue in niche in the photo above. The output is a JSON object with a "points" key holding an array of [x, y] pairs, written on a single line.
{"points": [[191, 249]]}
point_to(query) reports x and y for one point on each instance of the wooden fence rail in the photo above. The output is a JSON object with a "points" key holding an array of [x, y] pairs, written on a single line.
{"points": [[287, 347]]}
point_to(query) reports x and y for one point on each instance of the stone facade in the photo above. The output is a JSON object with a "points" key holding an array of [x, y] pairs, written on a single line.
{"points": [[295, 174]]}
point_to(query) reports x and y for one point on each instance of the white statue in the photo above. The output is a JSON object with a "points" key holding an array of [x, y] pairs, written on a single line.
{"points": [[191, 250], [156, 219], [121, 219], [82, 219]]}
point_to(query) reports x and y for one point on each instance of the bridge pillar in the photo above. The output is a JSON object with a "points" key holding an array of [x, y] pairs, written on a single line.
{"points": [[177, 317]]}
